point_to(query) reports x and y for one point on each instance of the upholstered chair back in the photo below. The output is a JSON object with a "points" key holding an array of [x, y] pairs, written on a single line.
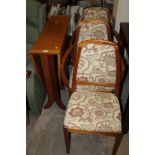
{"points": [[93, 29], [96, 13], [96, 67], [90, 30]]}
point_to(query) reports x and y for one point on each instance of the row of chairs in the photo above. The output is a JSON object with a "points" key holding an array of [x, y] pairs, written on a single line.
{"points": [[95, 81]]}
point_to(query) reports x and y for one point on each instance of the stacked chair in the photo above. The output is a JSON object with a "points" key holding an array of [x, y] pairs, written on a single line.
{"points": [[95, 80], [96, 13]]}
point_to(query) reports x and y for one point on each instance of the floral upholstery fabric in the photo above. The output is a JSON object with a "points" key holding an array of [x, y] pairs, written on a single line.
{"points": [[95, 88], [93, 111], [92, 31], [95, 13], [97, 64], [89, 88]]}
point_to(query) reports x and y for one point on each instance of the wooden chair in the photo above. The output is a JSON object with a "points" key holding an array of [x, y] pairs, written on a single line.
{"points": [[94, 107]]}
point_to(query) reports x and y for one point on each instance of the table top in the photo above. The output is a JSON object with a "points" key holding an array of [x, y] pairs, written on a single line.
{"points": [[51, 38]]}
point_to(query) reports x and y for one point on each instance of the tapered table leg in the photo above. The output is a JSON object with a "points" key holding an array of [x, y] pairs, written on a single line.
{"points": [[51, 81]]}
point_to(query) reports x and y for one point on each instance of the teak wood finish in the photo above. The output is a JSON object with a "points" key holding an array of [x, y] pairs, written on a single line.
{"points": [[50, 44]]}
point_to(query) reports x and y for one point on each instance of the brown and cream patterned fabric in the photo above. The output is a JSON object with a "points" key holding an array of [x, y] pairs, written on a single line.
{"points": [[95, 13], [90, 88], [93, 111], [96, 88], [92, 30], [97, 64]]}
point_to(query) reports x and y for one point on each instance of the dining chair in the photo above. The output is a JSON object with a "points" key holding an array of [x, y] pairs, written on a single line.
{"points": [[94, 106]]}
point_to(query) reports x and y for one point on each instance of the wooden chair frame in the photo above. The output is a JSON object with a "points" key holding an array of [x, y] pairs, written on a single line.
{"points": [[68, 131], [76, 60]]}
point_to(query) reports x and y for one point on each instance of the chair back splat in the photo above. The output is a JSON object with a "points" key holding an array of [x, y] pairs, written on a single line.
{"points": [[97, 13], [97, 67]]}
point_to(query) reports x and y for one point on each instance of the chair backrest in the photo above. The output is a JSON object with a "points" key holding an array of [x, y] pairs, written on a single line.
{"points": [[90, 30], [96, 13], [97, 67], [94, 29]]}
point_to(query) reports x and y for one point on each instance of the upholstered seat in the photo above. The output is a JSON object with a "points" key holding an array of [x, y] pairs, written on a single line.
{"points": [[93, 111]]}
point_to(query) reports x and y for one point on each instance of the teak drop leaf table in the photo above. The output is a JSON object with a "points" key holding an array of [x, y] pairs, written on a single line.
{"points": [[49, 44]]}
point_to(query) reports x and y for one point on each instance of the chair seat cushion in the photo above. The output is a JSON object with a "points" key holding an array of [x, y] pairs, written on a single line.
{"points": [[93, 111]]}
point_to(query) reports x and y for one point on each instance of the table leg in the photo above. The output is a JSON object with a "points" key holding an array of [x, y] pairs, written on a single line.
{"points": [[51, 83]]}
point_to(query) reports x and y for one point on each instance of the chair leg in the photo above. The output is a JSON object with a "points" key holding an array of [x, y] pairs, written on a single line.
{"points": [[117, 143], [67, 137]]}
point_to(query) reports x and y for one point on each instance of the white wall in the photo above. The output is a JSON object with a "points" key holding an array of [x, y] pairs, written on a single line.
{"points": [[120, 12]]}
